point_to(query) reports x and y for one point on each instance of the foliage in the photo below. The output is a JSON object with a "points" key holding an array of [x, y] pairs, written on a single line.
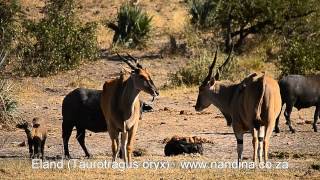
{"points": [[238, 19], [202, 13], [7, 103], [133, 26], [300, 56], [194, 72], [57, 42], [8, 12], [300, 48]]}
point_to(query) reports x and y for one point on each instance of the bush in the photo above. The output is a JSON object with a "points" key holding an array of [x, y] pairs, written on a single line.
{"points": [[7, 103], [133, 26], [8, 30], [300, 56], [197, 69], [57, 42], [202, 13]]}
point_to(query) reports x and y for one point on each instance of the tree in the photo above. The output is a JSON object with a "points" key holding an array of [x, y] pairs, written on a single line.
{"points": [[237, 19]]}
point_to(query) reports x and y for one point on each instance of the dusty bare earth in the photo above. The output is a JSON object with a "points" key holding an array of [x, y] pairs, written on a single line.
{"points": [[42, 97]]}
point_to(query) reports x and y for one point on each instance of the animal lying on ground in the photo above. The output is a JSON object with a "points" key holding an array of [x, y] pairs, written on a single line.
{"points": [[300, 92], [36, 135], [251, 105], [188, 139], [121, 106], [183, 144], [180, 146], [81, 109]]}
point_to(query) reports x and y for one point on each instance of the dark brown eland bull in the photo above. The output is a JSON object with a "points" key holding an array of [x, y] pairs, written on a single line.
{"points": [[251, 105], [121, 107], [81, 109], [300, 92]]}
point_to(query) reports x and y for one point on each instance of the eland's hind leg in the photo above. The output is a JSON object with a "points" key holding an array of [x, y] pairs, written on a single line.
{"points": [[255, 144], [266, 142], [261, 143]]}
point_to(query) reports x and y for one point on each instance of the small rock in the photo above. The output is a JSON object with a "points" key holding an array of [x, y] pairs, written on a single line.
{"points": [[185, 119], [162, 123], [139, 152], [182, 112], [166, 109], [289, 143], [300, 123]]}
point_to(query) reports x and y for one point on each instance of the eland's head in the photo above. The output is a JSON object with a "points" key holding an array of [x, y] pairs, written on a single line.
{"points": [[140, 76], [210, 85]]}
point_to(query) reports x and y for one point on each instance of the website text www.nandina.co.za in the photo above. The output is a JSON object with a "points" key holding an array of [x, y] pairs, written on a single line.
{"points": [[232, 165], [104, 164]]}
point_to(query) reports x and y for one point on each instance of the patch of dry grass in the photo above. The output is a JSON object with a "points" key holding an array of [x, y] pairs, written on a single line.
{"points": [[22, 169]]}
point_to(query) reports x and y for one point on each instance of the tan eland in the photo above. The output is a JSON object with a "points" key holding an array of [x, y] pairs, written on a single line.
{"points": [[121, 106], [251, 105]]}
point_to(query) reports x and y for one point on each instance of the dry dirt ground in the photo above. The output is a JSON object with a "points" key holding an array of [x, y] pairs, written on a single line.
{"points": [[42, 97]]}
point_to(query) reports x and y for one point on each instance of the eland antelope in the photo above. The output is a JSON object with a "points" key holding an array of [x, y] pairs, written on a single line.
{"points": [[121, 107], [81, 109], [251, 105]]}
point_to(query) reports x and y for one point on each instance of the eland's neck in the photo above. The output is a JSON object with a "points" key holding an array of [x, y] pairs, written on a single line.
{"points": [[128, 97], [222, 98]]}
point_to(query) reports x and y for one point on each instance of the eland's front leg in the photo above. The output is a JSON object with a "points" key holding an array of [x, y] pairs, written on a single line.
{"points": [[124, 141], [239, 136], [114, 135]]}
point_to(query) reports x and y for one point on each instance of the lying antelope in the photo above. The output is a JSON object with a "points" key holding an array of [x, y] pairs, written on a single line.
{"points": [[121, 107], [36, 135], [253, 104]]}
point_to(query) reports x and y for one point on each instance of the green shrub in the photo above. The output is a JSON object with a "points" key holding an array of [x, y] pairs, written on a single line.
{"points": [[57, 42], [202, 12], [194, 72], [8, 28], [300, 56], [133, 26], [7, 103]]}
